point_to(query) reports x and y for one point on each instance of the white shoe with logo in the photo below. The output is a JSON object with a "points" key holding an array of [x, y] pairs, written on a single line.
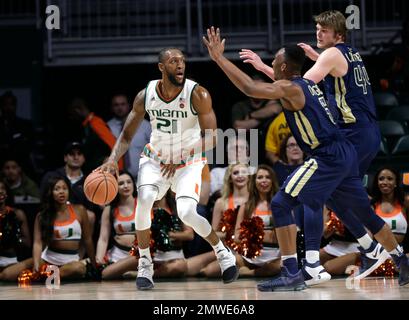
{"points": [[227, 262], [144, 279], [314, 273]]}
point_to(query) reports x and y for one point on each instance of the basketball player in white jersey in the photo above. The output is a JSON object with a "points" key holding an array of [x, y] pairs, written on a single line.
{"points": [[180, 111]]}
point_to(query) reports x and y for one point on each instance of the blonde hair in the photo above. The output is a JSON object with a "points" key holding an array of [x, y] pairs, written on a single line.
{"points": [[334, 20], [228, 186]]}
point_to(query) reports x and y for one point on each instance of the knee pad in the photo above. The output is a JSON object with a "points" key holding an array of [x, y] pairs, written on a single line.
{"points": [[281, 206], [146, 197], [186, 208]]}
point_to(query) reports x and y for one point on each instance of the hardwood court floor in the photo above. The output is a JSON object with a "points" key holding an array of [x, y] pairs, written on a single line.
{"points": [[199, 289]]}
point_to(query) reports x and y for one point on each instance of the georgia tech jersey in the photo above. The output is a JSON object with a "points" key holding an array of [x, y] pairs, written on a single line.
{"points": [[312, 126], [351, 93], [174, 123]]}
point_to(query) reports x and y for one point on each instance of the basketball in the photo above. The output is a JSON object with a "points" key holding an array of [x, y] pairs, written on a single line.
{"points": [[100, 187]]}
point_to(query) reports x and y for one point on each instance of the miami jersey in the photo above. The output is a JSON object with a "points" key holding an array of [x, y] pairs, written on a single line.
{"points": [[174, 123], [352, 93]]}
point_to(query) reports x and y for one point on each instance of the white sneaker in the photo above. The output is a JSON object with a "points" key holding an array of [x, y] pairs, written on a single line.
{"points": [[227, 262], [314, 273], [144, 279]]}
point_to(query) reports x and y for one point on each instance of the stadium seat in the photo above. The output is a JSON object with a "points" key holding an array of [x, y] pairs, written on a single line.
{"points": [[384, 101], [400, 114], [383, 149], [391, 128], [402, 146]]}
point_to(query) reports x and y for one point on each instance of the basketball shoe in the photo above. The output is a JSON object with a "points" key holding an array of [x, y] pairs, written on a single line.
{"points": [[227, 262], [144, 279], [314, 273], [284, 282], [371, 259]]}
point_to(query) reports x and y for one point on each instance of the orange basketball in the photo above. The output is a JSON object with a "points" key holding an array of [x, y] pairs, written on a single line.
{"points": [[100, 187]]}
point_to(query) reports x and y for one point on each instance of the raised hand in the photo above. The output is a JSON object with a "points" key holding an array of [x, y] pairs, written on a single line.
{"points": [[309, 51], [214, 44], [251, 57]]}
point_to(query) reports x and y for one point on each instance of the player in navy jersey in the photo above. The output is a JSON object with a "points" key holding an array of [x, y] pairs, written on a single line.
{"points": [[348, 90], [331, 166]]}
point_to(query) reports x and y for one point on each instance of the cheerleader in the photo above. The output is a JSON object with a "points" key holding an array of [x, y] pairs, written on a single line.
{"points": [[14, 234], [234, 194], [59, 229], [388, 203], [168, 257], [263, 186]]}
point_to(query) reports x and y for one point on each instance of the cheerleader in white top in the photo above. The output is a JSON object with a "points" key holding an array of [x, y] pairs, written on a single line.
{"points": [[58, 230]]}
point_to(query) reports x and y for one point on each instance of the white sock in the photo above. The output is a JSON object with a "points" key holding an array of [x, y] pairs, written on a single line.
{"points": [[219, 246], [312, 256], [145, 252], [365, 241], [398, 251]]}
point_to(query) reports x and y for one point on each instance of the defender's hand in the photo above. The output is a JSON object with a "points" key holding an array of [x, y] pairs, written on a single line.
{"points": [[214, 45], [309, 51], [251, 57]]}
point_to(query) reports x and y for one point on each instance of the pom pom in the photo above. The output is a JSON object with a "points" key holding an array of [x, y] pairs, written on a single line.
{"points": [[251, 237], [335, 224], [228, 225], [386, 269], [27, 276], [162, 224]]}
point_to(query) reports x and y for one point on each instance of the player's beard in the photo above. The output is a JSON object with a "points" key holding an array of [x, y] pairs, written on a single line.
{"points": [[173, 80]]}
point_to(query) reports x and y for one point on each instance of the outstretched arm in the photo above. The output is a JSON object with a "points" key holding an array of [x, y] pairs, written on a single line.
{"points": [[132, 123], [262, 90], [331, 61], [253, 58]]}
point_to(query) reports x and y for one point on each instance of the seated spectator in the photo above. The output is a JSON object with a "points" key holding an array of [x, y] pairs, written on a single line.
{"points": [[72, 171], [59, 229], [263, 186], [388, 203], [291, 157], [254, 113], [120, 108], [396, 77], [168, 257], [23, 189], [16, 134], [234, 194], [237, 152], [276, 133], [118, 227], [14, 235], [98, 138]]}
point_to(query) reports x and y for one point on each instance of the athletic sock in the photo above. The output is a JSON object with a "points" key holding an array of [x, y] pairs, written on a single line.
{"points": [[365, 241], [145, 252], [290, 262]]}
